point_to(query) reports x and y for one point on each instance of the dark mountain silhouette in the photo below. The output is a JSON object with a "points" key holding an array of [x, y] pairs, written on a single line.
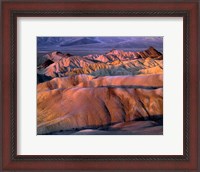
{"points": [[81, 41], [97, 43]]}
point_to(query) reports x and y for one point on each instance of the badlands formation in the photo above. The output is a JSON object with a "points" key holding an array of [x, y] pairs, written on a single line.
{"points": [[114, 93]]}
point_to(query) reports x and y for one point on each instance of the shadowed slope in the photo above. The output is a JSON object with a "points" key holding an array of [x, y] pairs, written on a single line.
{"points": [[124, 128]]}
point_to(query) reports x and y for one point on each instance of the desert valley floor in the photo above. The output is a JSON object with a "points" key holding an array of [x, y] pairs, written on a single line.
{"points": [[115, 93]]}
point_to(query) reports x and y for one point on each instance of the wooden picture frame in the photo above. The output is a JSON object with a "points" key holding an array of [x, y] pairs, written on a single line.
{"points": [[11, 10]]}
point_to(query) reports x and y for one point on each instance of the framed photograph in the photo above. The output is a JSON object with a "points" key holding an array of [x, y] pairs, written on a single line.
{"points": [[100, 85]]}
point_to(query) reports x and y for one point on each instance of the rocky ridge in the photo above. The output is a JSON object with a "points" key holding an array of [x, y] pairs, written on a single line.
{"points": [[114, 93], [115, 62]]}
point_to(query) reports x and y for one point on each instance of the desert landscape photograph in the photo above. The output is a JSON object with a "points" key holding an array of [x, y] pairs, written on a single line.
{"points": [[100, 85]]}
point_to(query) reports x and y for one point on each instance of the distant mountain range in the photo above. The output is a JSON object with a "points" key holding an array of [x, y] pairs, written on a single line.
{"points": [[90, 43]]}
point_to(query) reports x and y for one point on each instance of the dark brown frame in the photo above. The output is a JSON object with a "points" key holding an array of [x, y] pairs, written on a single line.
{"points": [[182, 8]]}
